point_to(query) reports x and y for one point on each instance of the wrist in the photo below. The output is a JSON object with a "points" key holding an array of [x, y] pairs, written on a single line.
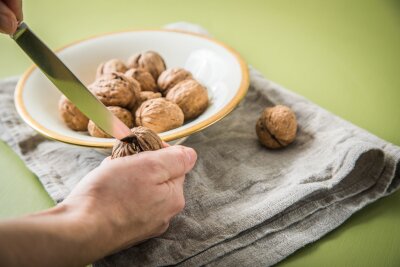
{"points": [[91, 231], [106, 223], [70, 234]]}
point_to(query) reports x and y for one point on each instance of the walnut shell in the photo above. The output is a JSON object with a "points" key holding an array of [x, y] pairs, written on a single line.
{"points": [[144, 96], [113, 65], [159, 115], [145, 79], [190, 96], [71, 115], [136, 89], [150, 61], [115, 89], [123, 114], [276, 127], [141, 139], [170, 77]]}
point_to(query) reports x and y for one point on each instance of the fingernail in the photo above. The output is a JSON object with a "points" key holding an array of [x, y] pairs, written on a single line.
{"points": [[190, 154]]}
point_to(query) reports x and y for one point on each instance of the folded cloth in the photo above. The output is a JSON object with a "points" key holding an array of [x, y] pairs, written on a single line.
{"points": [[245, 205]]}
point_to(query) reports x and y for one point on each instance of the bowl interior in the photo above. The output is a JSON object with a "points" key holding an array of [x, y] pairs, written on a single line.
{"points": [[214, 65]]}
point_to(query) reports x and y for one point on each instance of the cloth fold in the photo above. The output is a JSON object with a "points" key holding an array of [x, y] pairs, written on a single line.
{"points": [[245, 205]]}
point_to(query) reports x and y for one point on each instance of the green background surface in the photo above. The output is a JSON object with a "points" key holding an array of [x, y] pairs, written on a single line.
{"points": [[343, 55]]}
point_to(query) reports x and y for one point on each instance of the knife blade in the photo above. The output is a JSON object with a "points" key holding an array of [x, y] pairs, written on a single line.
{"points": [[59, 74]]}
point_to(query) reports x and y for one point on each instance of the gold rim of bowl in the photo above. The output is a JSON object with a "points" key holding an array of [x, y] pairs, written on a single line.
{"points": [[241, 92]]}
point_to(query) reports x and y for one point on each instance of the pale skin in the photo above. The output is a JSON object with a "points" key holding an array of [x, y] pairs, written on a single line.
{"points": [[119, 204], [10, 15]]}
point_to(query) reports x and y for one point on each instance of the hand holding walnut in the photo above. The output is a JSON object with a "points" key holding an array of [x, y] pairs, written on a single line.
{"points": [[120, 203], [138, 194]]}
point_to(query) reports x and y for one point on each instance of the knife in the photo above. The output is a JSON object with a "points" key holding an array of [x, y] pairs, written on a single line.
{"points": [[59, 74]]}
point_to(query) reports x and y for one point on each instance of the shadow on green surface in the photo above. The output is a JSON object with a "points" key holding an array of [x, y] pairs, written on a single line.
{"points": [[395, 3], [380, 213]]}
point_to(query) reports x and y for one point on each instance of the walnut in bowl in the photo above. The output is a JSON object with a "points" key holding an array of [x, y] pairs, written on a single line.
{"points": [[145, 79], [71, 115], [150, 61], [159, 115], [170, 77], [110, 66], [190, 96], [123, 114], [115, 89], [144, 96]]}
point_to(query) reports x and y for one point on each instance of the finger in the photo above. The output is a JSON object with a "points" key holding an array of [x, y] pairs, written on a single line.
{"points": [[177, 199], [16, 8], [165, 144], [105, 160], [176, 161], [178, 182], [8, 21], [160, 165]]}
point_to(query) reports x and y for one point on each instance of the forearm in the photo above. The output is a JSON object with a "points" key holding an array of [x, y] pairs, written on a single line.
{"points": [[122, 202], [61, 236]]}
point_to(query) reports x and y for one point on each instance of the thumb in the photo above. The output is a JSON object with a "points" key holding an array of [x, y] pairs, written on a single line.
{"points": [[16, 7], [8, 21], [163, 164]]}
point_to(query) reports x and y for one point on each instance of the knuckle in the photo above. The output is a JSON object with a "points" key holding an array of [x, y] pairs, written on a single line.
{"points": [[181, 160], [147, 158], [155, 167], [163, 227], [180, 204]]}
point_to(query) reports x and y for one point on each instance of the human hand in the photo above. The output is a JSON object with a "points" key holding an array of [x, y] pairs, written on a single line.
{"points": [[10, 15], [133, 198], [122, 202]]}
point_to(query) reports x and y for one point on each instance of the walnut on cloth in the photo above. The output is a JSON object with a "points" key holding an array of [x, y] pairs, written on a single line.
{"points": [[170, 77], [141, 139], [123, 114], [150, 61], [145, 79], [190, 96], [71, 115], [115, 89], [112, 65], [159, 115], [276, 127]]}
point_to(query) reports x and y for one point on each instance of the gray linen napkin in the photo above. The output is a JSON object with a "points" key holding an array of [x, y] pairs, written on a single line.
{"points": [[245, 205]]}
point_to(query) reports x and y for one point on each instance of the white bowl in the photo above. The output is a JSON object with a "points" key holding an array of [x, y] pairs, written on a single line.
{"points": [[214, 64]]}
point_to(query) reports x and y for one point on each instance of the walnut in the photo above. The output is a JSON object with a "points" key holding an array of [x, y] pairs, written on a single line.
{"points": [[71, 115], [159, 115], [276, 127], [136, 92], [190, 96], [144, 96], [141, 139], [124, 115], [170, 77], [113, 65], [115, 89], [150, 61], [146, 80]]}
